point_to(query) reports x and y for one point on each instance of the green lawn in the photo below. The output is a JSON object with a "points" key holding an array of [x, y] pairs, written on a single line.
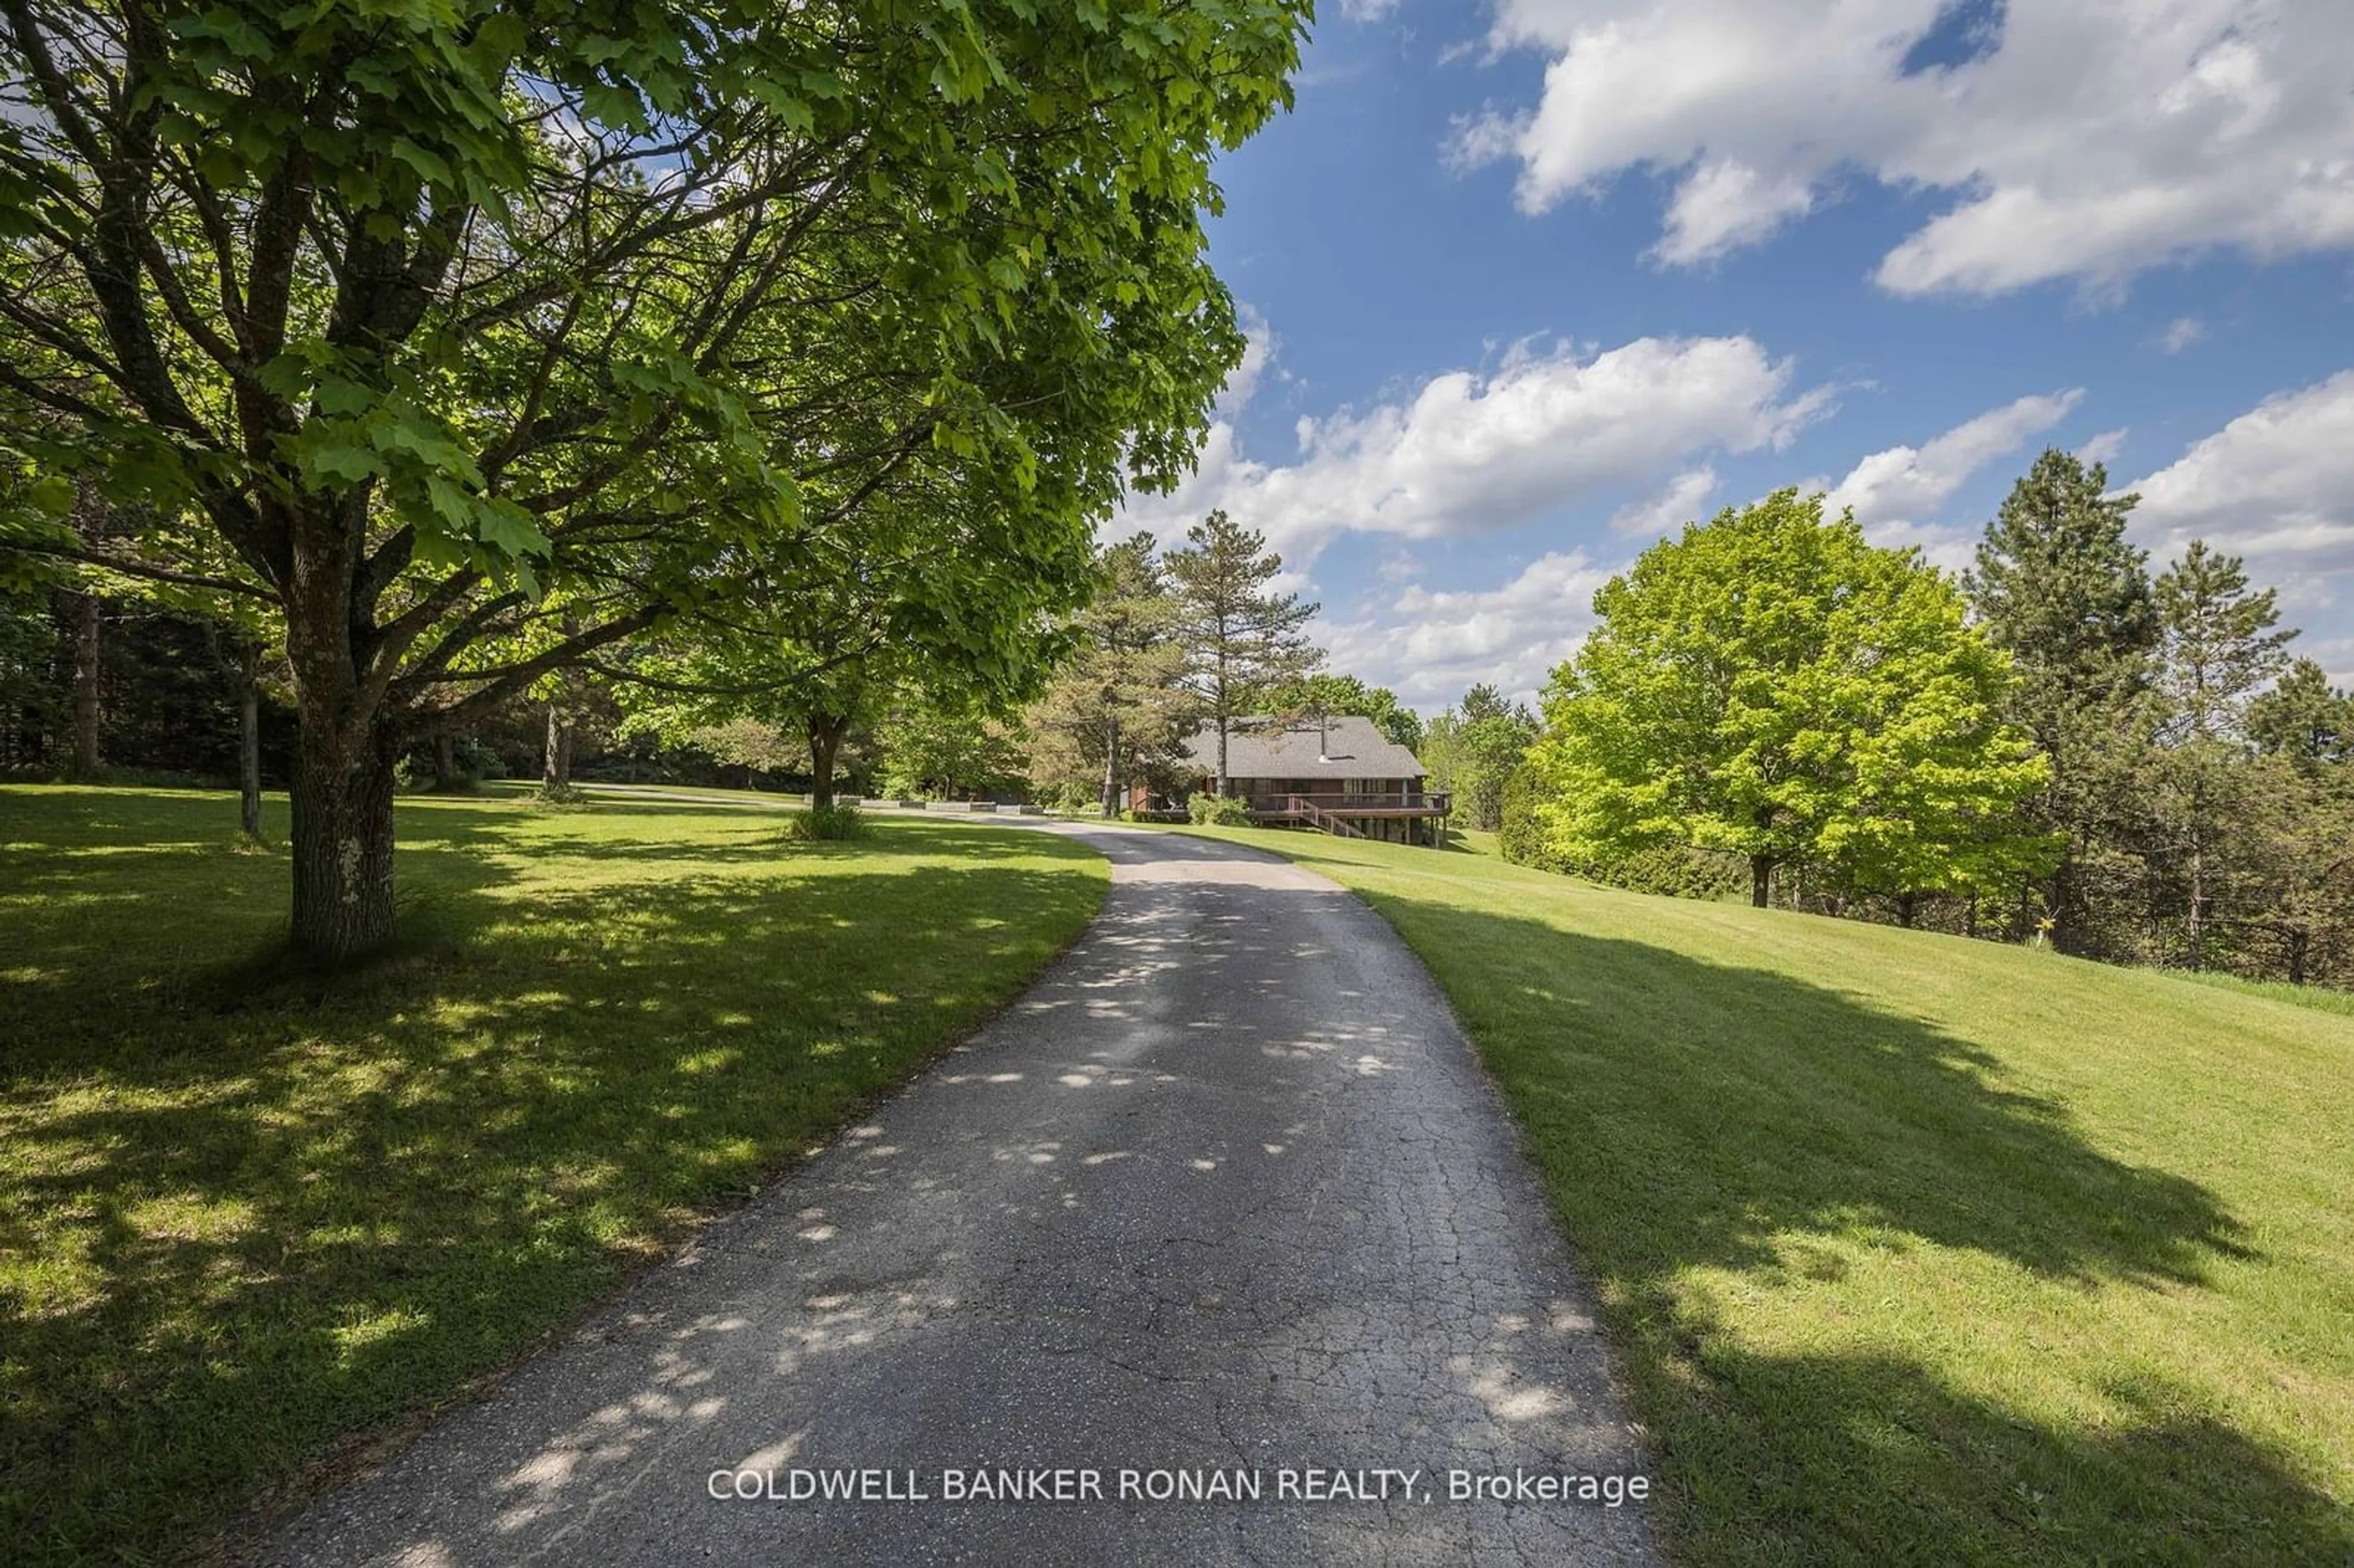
{"points": [[1919, 1250], [241, 1229]]}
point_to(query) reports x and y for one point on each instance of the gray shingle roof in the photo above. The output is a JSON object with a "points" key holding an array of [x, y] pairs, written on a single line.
{"points": [[1256, 749]]}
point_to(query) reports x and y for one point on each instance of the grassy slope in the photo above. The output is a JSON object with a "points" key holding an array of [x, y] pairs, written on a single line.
{"points": [[1918, 1250], [235, 1227]]}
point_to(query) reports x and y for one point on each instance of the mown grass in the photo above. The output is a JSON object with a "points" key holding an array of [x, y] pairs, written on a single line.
{"points": [[1918, 1250], [245, 1223], [2313, 996]]}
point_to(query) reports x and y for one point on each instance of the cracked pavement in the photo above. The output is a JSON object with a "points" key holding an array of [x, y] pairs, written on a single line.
{"points": [[1222, 1191]]}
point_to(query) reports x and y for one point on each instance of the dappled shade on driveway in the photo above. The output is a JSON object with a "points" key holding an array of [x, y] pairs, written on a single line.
{"points": [[1224, 1189]]}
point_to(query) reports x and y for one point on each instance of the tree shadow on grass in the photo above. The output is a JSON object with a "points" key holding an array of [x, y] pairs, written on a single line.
{"points": [[1731, 1107], [1870, 1459], [1693, 1116], [253, 1230]]}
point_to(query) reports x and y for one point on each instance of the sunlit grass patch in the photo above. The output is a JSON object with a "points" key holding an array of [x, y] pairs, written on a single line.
{"points": [[242, 1216], [1918, 1250]]}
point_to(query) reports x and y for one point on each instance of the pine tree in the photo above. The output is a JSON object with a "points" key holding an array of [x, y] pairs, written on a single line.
{"points": [[2219, 645], [2303, 718], [1489, 742], [2302, 817], [2058, 586], [1242, 641], [1116, 706]]}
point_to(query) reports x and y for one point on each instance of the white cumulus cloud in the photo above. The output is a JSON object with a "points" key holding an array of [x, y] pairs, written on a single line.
{"points": [[2275, 485], [2094, 139], [1904, 484], [1442, 643], [1678, 504], [2103, 448], [1469, 452]]}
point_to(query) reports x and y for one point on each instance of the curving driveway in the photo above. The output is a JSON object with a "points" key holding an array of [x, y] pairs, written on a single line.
{"points": [[1222, 1196]]}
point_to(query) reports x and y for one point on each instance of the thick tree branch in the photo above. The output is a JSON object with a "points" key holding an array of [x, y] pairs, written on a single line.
{"points": [[134, 566]]}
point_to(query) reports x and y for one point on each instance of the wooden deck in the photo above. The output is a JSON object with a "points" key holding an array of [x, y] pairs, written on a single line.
{"points": [[1307, 807]]}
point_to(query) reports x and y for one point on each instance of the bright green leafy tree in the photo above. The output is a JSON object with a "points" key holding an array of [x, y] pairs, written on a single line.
{"points": [[1770, 684], [422, 314]]}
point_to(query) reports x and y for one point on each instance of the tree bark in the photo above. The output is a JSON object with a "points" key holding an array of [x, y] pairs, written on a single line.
{"points": [[2297, 943], [88, 713], [445, 761], [555, 767], [2196, 930], [342, 843], [1222, 756], [248, 757], [1907, 906], [1761, 880], [341, 786], [824, 743], [1111, 772], [2060, 906]]}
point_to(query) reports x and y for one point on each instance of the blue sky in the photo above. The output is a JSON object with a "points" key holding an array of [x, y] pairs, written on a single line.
{"points": [[1531, 283]]}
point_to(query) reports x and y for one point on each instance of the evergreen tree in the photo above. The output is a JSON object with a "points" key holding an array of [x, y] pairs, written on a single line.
{"points": [[1489, 741], [2297, 823], [1329, 694], [1117, 706], [1242, 641], [2058, 587], [2303, 718], [2292, 840], [2218, 646]]}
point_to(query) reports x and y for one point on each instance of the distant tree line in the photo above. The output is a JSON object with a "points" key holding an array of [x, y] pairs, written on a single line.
{"points": [[2059, 747]]}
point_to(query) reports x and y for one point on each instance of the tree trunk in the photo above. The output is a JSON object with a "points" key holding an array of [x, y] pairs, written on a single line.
{"points": [[2060, 905], [1111, 772], [2197, 931], [445, 761], [248, 757], [1761, 880], [1222, 757], [1907, 906], [342, 843], [556, 769], [341, 784], [86, 710], [824, 744], [2297, 943]]}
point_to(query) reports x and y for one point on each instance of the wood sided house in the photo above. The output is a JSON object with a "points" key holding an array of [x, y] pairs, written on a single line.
{"points": [[1340, 774]]}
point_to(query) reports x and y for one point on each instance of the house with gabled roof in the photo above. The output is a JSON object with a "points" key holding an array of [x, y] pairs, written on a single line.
{"points": [[1338, 774]]}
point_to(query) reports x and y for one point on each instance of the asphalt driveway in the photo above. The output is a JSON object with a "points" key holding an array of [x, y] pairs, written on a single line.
{"points": [[1221, 1205]]}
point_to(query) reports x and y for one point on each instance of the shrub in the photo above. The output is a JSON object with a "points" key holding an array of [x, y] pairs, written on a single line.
{"points": [[824, 823], [1519, 836], [1676, 870], [1219, 811]]}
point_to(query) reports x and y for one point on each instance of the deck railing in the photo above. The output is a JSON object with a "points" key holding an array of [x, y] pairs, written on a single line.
{"points": [[1433, 803]]}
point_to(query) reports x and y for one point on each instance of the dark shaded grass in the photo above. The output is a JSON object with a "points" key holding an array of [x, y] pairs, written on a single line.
{"points": [[246, 1216]]}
